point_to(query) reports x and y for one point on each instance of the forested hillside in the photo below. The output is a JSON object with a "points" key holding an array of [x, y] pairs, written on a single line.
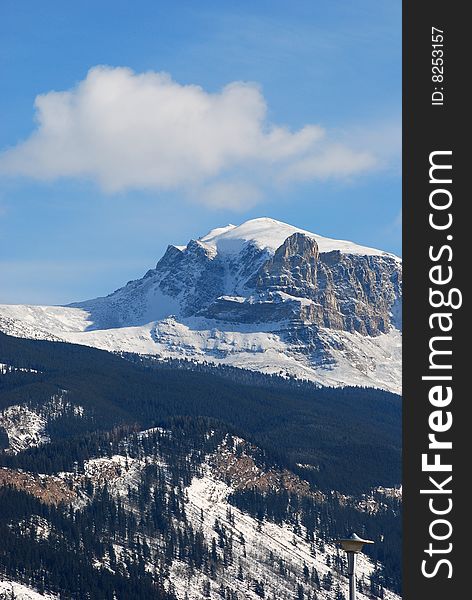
{"points": [[122, 477], [351, 436]]}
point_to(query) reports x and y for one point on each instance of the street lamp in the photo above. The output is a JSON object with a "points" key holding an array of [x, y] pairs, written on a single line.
{"points": [[352, 546]]}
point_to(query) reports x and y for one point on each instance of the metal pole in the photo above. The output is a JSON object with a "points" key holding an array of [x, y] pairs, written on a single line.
{"points": [[351, 571]]}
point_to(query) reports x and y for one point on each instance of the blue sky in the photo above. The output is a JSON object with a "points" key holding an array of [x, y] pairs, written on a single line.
{"points": [[296, 116]]}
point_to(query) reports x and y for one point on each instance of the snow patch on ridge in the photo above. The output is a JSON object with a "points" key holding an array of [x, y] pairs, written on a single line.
{"points": [[26, 426], [12, 589]]}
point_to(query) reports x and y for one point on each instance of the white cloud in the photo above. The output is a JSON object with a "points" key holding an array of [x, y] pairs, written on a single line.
{"points": [[332, 159], [234, 195], [145, 131]]}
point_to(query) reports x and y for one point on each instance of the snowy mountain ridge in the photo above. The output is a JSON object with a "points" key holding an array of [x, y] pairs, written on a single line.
{"points": [[268, 234], [264, 295]]}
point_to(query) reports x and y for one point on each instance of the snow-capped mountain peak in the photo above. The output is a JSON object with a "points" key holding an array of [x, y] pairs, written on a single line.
{"points": [[262, 295]]}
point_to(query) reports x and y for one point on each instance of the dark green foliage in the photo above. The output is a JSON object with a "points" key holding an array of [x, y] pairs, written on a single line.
{"points": [[351, 435], [3, 439], [63, 563]]}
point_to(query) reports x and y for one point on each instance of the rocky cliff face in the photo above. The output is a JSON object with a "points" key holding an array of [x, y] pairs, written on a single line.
{"points": [[339, 291], [334, 290], [264, 295]]}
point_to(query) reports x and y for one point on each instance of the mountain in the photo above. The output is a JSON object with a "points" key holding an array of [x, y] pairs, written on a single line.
{"points": [[263, 295], [164, 470], [126, 480]]}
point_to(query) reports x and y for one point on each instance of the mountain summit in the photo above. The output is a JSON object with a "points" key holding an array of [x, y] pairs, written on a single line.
{"points": [[263, 295], [269, 234]]}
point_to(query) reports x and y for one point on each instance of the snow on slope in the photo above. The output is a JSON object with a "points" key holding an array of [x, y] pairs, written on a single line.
{"points": [[12, 589], [26, 426], [358, 360], [265, 545], [4, 369]]}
